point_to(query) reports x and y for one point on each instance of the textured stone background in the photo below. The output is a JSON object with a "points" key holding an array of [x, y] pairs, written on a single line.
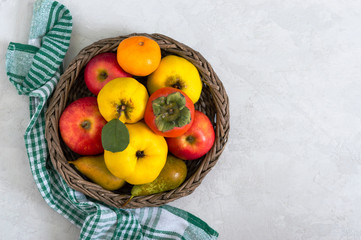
{"points": [[292, 70]]}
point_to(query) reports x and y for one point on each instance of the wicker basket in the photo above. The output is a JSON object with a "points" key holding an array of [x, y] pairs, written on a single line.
{"points": [[213, 102]]}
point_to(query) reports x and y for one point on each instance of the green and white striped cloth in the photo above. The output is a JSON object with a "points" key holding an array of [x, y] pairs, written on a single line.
{"points": [[34, 69]]}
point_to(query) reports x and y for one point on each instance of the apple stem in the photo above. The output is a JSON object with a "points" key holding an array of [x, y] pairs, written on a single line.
{"points": [[85, 124], [103, 75], [190, 139]]}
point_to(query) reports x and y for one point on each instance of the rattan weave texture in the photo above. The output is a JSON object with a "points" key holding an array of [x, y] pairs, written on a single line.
{"points": [[213, 102]]}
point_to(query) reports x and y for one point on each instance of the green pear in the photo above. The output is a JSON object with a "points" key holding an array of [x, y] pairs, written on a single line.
{"points": [[95, 169], [172, 176]]}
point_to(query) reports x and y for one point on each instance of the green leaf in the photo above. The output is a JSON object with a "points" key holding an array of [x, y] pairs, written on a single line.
{"points": [[115, 136]]}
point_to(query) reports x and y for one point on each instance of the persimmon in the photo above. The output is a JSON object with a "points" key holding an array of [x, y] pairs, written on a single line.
{"points": [[169, 112], [139, 55]]}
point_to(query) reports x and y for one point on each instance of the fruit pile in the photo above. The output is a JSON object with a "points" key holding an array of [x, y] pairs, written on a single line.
{"points": [[133, 132]]}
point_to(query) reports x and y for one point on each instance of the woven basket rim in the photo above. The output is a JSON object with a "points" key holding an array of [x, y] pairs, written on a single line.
{"points": [[59, 99]]}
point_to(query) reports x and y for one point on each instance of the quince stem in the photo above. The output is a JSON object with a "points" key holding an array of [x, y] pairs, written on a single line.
{"points": [[121, 109]]}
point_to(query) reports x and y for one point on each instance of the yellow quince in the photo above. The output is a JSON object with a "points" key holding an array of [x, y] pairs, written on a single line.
{"points": [[142, 160], [123, 98], [176, 72]]}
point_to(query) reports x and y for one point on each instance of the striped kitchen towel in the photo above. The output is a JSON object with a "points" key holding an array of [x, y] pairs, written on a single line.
{"points": [[34, 69]]}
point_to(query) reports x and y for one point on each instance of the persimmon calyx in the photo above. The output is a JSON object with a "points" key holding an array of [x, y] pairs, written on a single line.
{"points": [[171, 111]]}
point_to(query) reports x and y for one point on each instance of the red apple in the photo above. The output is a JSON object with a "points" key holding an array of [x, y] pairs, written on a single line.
{"points": [[101, 69], [80, 126], [196, 142]]}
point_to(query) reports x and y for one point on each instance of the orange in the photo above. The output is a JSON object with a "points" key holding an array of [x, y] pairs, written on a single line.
{"points": [[139, 55]]}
